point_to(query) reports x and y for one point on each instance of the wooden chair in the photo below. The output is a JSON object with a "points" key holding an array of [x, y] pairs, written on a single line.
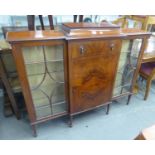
{"points": [[8, 74], [122, 22], [31, 22], [9, 98], [147, 72], [148, 22], [145, 21]]}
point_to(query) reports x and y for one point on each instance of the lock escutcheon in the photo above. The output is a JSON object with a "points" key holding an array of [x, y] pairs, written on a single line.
{"points": [[82, 50]]}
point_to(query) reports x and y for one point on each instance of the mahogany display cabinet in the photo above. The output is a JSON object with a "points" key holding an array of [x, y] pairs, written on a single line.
{"points": [[41, 68], [81, 68]]}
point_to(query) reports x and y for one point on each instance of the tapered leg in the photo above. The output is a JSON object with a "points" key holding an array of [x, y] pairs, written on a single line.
{"points": [[121, 90], [148, 85], [108, 107], [70, 121], [34, 131], [129, 98]]}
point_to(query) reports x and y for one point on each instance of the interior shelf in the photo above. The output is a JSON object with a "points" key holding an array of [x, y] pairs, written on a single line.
{"points": [[48, 105], [40, 62]]}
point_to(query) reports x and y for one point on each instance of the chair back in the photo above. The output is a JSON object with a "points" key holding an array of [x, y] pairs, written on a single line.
{"points": [[122, 22], [75, 18], [31, 22]]}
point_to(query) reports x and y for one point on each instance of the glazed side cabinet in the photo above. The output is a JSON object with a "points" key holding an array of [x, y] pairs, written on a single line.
{"points": [[72, 72], [42, 69], [128, 66]]}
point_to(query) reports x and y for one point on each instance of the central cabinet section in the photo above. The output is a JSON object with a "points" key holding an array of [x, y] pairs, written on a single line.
{"points": [[92, 66]]}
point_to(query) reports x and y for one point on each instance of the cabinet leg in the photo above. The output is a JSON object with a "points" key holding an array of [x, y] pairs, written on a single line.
{"points": [[129, 98], [34, 131], [122, 89], [70, 121], [108, 107], [148, 85]]}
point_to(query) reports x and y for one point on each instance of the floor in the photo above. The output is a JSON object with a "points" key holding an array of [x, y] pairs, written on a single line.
{"points": [[123, 122]]}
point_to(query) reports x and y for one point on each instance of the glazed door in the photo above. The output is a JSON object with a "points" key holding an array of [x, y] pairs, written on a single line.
{"points": [[127, 66], [92, 67], [45, 72], [41, 68]]}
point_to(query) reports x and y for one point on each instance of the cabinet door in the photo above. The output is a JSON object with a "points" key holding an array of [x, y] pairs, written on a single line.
{"points": [[127, 66], [45, 73], [92, 66]]}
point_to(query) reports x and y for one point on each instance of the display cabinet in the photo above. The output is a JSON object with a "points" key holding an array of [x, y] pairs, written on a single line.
{"points": [[40, 64], [81, 68]]}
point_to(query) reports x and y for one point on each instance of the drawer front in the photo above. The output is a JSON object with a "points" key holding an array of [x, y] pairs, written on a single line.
{"points": [[92, 48], [92, 74]]}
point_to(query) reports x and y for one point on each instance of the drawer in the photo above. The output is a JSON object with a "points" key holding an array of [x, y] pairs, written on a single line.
{"points": [[90, 48]]}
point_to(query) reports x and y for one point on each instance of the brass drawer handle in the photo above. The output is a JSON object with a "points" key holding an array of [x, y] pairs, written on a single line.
{"points": [[112, 46], [82, 50]]}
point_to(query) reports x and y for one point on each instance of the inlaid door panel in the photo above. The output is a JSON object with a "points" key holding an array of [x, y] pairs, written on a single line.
{"points": [[92, 76]]}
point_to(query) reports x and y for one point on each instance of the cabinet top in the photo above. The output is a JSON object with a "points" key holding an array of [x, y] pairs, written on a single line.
{"points": [[34, 35], [101, 30], [69, 27], [73, 31], [107, 33]]}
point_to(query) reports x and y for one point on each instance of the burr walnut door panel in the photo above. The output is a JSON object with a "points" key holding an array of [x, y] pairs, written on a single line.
{"points": [[92, 69]]}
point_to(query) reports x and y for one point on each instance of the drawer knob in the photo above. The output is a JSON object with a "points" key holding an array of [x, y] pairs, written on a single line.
{"points": [[82, 50], [112, 45]]}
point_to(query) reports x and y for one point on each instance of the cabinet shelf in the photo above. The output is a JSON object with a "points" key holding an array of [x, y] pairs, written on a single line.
{"points": [[91, 63], [46, 111], [32, 87], [44, 73], [48, 105], [126, 85], [41, 62]]}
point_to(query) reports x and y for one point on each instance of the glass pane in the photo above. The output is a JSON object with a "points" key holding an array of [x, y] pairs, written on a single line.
{"points": [[46, 110], [33, 54], [55, 53], [127, 66], [40, 68], [45, 71]]}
